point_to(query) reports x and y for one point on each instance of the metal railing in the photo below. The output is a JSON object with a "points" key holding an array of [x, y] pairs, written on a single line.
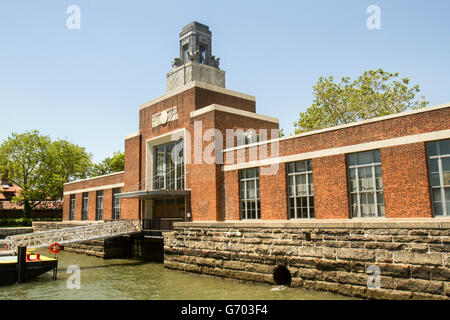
{"points": [[70, 235]]}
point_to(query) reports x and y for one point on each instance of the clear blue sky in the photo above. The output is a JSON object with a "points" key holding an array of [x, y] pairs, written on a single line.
{"points": [[86, 85]]}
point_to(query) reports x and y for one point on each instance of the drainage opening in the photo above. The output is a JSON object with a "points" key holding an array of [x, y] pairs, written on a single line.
{"points": [[282, 276]]}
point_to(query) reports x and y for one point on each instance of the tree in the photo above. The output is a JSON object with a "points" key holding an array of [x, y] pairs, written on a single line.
{"points": [[116, 163], [40, 167], [375, 93], [70, 162]]}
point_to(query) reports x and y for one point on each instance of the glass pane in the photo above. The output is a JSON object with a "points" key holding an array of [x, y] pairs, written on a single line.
{"points": [[376, 156], [352, 180], [291, 167], [432, 148], [435, 179], [446, 164], [447, 194], [381, 211], [437, 195], [300, 166], [309, 165], [446, 178], [251, 173], [354, 201], [444, 147], [433, 165], [380, 198], [351, 159], [292, 213], [365, 179], [365, 157], [291, 185], [438, 208], [379, 183]]}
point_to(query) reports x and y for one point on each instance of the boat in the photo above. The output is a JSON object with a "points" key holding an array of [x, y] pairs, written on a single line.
{"points": [[35, 265]]}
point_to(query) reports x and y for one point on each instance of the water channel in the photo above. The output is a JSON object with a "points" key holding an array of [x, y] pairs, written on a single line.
{"points": [[143, 280]]}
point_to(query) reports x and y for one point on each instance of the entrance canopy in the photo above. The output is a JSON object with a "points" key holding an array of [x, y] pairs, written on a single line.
{"points": [[152, 194]]}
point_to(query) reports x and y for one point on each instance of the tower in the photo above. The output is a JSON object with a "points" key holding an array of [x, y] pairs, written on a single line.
{"points": [[196, 62]]}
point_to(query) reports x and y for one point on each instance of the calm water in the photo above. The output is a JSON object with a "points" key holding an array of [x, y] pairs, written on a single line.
{"points": [[137, 279]]}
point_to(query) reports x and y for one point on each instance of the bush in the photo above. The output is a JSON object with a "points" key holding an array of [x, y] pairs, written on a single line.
{"points": [[22, 222]]}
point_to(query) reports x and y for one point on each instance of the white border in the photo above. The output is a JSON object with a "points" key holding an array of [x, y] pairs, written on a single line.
{"points": [[423, 137], [132, 135], [108, 186], [218, 107], [164, 138], [97, 177], [198, 84], [353, 124]]}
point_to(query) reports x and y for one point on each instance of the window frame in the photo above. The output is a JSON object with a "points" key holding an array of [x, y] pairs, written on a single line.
{"points": [[72, 203], [115, 201], [439, 157], [358, 192], [99, 197], [85, 206], [244, 209], [178, 168], [295, 175]]}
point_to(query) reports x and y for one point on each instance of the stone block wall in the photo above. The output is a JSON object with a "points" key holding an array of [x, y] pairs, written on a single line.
{"points": [[413, 257]]}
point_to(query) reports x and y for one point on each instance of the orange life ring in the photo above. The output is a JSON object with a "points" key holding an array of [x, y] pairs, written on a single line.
{"points": [[55, 248]]}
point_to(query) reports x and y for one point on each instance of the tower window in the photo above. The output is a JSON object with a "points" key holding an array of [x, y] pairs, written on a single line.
{"points": [[202, 54], [185, 53]]}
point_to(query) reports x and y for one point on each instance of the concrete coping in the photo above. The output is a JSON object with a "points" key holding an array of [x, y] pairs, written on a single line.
{"points": [[97, 177], [406, 223]]}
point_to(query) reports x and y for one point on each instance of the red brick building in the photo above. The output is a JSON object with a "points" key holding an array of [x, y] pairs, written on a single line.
{"points": [[12, 210], [203, 153]]}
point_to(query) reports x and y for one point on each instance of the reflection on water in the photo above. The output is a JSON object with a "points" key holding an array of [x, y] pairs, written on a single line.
{"points": [[137, 279]]}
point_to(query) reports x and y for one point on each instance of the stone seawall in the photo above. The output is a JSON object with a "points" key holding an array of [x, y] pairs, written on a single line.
{"points": [[368, 259]]}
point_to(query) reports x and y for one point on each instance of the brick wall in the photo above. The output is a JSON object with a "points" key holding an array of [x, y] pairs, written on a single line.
{"points": [[78, 188], [406, 183]]}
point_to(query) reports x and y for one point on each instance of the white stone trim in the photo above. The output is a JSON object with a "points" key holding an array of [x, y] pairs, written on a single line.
{"points": [[132, 135], [171, 113], [97, 177], [217, 107], [423, 137], [109, 186], [353, 124], [164, 138], [199, 85]]}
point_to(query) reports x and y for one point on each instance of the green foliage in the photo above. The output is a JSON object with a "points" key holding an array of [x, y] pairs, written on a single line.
{"points": [[41, 167], [116, 163], [375, 93], [22, 222]]}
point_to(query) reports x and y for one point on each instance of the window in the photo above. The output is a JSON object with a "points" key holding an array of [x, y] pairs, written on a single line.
{"points": [[185, 53], [203, 54], [99, 206], [366, 184], [439, 173], [300, 190], [116, 205], [84, 206], [169, 166], [72, 207], [249, 194]]}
